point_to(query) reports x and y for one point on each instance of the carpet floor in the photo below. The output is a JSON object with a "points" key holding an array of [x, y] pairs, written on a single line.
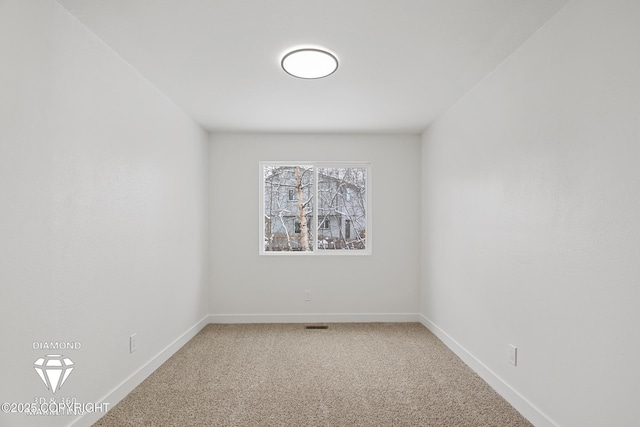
{"points": [[351, 374]]}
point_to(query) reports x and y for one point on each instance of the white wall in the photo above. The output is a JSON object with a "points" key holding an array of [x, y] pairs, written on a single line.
{"points": [[383, 286], [103, 221], [531, 227]]}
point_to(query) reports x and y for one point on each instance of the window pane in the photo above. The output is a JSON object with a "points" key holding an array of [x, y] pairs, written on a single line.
{"points": [[342, 208], [288, 207]]}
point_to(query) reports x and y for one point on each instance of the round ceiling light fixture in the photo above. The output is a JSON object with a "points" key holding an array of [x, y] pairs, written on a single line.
{"points": [[309, 63]]}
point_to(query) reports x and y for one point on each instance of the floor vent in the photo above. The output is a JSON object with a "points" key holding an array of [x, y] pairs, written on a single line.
{"points": [[316, 327]]}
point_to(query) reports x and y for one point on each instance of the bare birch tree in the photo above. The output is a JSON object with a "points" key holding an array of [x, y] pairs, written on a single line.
{"points": [[302, 217]]}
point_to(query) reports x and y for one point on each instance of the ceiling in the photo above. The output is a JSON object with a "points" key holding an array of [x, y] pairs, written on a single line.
{"points": [[402, 62]]}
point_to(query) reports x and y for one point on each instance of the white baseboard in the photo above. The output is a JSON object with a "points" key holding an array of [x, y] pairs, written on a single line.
{"points": [[125, 387], [522, 405], [314, 318]]}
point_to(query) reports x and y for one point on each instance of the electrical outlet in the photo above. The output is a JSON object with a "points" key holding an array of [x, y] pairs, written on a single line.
{"points": [[133, 343], [513, 355], [307, 295]]}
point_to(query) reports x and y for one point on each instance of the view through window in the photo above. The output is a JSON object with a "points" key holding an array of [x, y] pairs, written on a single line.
{"points": [[315, 208]]}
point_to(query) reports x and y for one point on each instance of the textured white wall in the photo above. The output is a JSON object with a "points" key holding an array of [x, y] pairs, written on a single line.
{"points": [[103, 218], [243, 282], [531, 228]]}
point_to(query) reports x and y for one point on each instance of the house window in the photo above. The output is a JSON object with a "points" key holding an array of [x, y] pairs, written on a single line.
{"points": [[315, 208], [297, 228]]}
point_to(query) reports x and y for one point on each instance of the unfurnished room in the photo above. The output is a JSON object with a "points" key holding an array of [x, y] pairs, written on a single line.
{"points": [[302, 213]]}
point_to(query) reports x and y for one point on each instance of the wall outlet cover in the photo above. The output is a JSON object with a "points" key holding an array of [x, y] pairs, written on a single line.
{"points": [[513, 355], [133, 343]]}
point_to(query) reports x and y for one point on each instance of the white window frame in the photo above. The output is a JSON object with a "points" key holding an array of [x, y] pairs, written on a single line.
{"points": [[314, 222]]}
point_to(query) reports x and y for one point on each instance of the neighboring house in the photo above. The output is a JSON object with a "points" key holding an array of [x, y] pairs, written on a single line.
{"points": [[341, 210]]}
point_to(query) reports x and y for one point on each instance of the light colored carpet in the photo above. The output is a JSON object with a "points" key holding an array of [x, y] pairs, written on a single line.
{"points": [[352, 374]]}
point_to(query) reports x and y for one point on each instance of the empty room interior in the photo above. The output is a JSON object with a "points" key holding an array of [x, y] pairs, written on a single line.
{"points": [[469, 170]]}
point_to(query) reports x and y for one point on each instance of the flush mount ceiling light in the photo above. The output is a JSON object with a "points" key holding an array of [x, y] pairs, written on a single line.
{"points": [[309, 63]]}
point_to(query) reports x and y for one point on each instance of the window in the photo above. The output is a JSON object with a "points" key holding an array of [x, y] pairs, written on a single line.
{"points": [[315, 208], [297, 228]]}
